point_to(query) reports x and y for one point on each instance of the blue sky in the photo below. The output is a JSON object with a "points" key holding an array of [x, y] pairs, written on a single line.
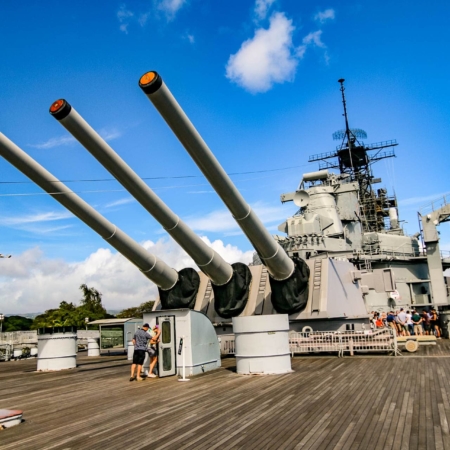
{"points": [[259, 81]]}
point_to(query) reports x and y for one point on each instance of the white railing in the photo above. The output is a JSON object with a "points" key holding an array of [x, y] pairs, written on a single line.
{"points": [[227, 346], [377, 249], [30, 337], [383, 340], [5, 352]]}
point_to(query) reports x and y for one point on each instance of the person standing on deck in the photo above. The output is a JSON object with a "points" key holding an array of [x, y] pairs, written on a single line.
{"points": [[390, 320], [153, 349], [425, 322], [434, 323], [402, 319], [409, 323], [417, 322], [140, 339]]}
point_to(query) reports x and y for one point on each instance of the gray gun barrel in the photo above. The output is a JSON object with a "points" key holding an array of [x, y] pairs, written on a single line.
{"points": [[209, 261], [152, 267], [278, 263]]}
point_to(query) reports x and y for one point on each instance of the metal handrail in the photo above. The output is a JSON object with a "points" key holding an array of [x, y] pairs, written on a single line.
{"points": [[437, 203]]}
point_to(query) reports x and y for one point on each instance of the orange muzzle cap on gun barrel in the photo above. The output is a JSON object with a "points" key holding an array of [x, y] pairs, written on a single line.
{"points": [[150, 82], [60, 109]]}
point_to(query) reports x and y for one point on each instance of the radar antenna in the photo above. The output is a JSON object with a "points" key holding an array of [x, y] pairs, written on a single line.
{"points": [[352, 157]]}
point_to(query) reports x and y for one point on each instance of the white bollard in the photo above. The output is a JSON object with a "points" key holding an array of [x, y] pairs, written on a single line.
{"points": [[93, 347], [130, 350]]}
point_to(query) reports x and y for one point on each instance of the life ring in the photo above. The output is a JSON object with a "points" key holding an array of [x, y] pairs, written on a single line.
{"points": [[307, 329]]}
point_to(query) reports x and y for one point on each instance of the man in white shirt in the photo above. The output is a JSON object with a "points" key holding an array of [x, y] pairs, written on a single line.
{"points": [[402, 318], [409, 323]]}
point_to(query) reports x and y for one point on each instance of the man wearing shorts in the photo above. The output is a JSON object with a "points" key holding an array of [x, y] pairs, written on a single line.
{"points": [[417, 322], [140, 339]]}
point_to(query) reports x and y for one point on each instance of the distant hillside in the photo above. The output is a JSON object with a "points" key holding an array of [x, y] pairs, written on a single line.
{"points": [[113, 312], [27, 315]]}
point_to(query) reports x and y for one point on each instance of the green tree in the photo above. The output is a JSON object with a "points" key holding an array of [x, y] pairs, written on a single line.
{"points": [[16, 323], [64, 316], [69, 314], [90, 306], [137, 311]]}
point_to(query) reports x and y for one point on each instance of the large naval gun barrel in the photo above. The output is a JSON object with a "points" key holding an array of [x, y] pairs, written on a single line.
{"points": [[173, 283], [288, 277], [224, 277]]}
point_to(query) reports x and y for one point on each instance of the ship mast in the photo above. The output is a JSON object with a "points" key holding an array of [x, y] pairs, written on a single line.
{"points": [[347, 128], [354, 158]]}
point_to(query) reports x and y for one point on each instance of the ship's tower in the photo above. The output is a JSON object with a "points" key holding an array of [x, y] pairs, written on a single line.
{"points": [[355, 158]]}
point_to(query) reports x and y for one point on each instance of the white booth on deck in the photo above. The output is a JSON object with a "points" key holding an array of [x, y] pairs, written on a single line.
{"points": [[115, 333], [184, 330]]}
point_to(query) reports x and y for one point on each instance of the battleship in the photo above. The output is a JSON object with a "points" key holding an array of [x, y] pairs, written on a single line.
{"points": [[343, 253]]}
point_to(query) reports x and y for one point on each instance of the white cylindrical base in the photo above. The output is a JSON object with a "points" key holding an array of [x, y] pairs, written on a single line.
{"points": [[93, 347], [57, 351], [17, 353], [33, 351], [262, 344], [130, 350]]}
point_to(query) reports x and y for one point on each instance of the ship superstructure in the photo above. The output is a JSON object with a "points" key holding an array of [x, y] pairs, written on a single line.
{"points": [[344, 216]]}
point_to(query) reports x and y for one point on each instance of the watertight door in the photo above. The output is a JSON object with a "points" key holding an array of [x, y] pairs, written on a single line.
{"points": [[167, 354]]}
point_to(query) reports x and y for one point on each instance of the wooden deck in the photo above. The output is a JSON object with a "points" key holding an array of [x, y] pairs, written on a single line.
{"points": [[361, 402]]}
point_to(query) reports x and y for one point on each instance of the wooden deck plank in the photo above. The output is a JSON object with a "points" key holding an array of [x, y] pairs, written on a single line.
{"points": [[395, 423], [330, 399], [358, 415], [368, 436], [327, 402], [297, 417], [345, 415]]}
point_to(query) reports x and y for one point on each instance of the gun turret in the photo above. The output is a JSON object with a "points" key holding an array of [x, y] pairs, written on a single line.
{"points": [[288, 277], [233, 279], [178, 287]]}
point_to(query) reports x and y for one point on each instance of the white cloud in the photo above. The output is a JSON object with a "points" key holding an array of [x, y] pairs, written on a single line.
{"points": [[221, 221], [190, 38], [37, 223], [55, 142], [122, 201], [215, 221], [262, 8], [30, 282], [107, 133], [34, 218], [424, 200], [143, 18], [265, 59], [170, 7], [323, 16], [230, 253], [124, 15], [313, 39]]}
